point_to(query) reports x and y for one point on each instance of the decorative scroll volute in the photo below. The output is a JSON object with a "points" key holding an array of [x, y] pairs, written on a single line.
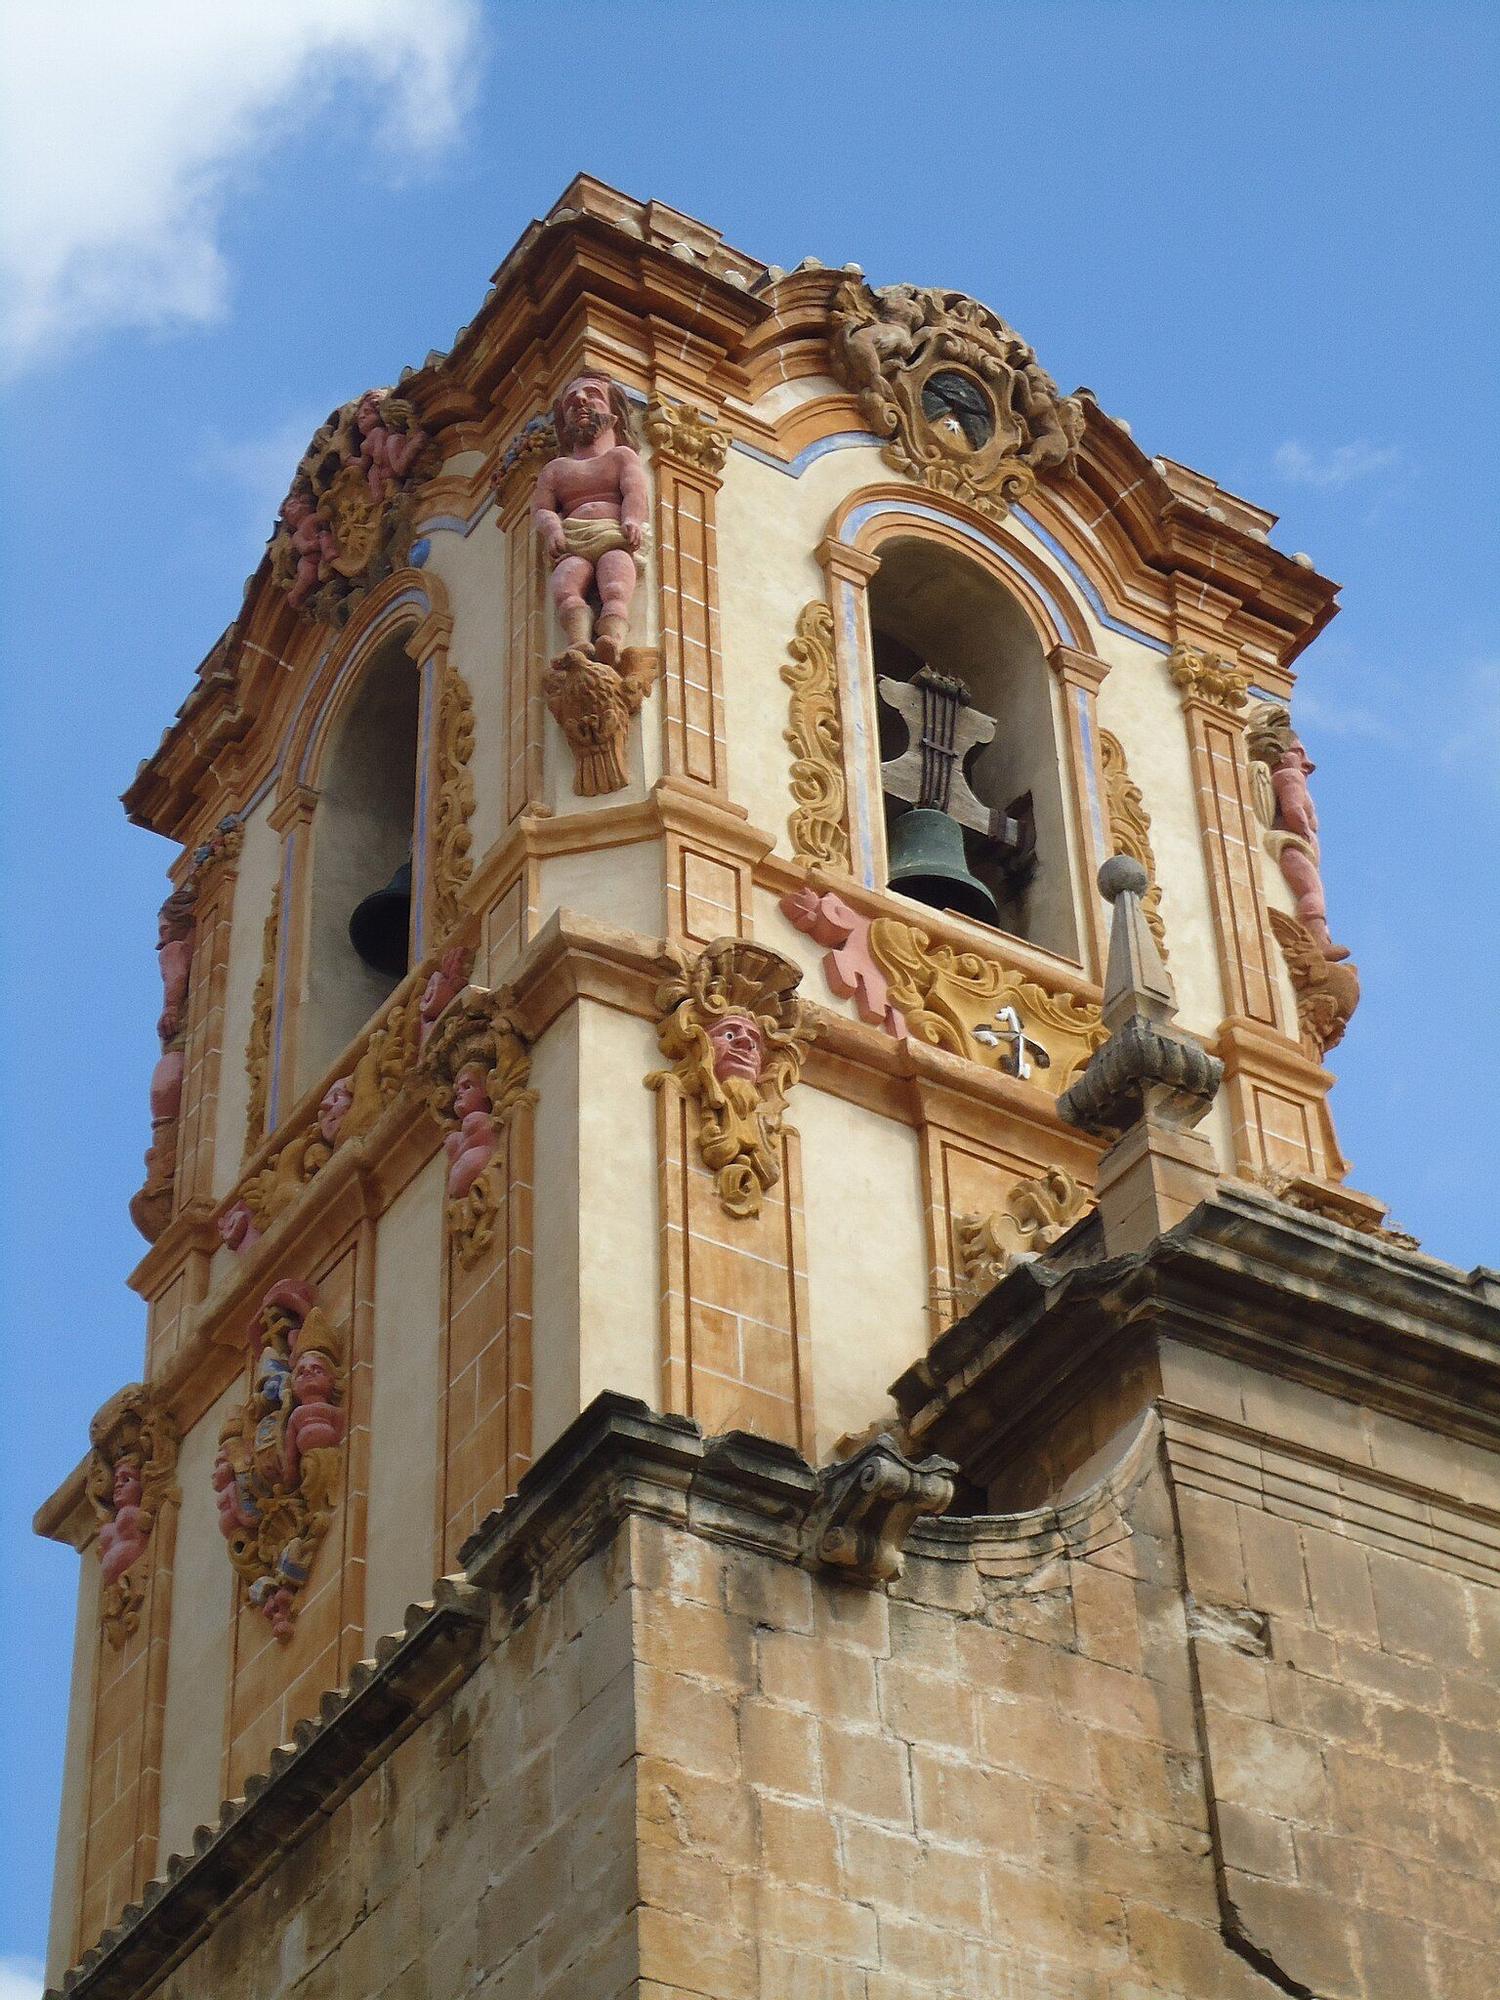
{"points": [[816, 740], [1039, 1209], [258, 1046], [960, 397], [736, 1034], [1130, 825], [280, 1458], [453, 803], [477, 1068], [131, 1476]]}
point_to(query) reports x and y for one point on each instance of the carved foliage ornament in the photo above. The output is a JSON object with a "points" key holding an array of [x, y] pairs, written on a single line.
{"points": [[477, 1068], [347, 520], [258, 1047], [816, 740], [736, 1034], [592, 702], [1326, 990], [131, 1476], [675, 430], [1208, 677], [1130, 826], [280, 1456], [960, 397], [1039, 1210], [453, 804]]}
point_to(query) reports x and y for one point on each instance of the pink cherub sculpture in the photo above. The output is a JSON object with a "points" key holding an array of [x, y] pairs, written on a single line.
{"points": [[471, 1148], [1299, 857], [237, 1230], [338, 1102], [122, 1540], [315, 1419], [313, 544], [174, 951], [590, 510], [386, 454], [445, 985], [739, 1048]]}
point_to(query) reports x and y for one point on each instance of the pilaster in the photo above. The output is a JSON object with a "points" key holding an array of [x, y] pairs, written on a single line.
{"points": [[689, 452]]}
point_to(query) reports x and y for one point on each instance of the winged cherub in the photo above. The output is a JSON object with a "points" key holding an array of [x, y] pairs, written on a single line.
{"points": [[590, 510]]}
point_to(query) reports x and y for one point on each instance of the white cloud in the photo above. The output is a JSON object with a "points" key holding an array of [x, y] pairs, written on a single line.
{"points": [[1332, 716], [20, 1979], [121, 125], [1340, 465]]}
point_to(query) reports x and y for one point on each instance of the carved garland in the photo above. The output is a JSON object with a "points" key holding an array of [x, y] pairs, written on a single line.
{"points": [[452, 863], [258, 1048], [130, 1478], [477, 1068], [816, 740], [1130, 826], [280, 1454], [736, 1034]]}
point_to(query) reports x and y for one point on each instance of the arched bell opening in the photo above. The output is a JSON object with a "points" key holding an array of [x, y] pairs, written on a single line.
{"points": [[971, 772], [359, 928]]}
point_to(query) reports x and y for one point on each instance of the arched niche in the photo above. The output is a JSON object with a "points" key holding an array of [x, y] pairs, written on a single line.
{"points": [[362, 831], [931, 601]]}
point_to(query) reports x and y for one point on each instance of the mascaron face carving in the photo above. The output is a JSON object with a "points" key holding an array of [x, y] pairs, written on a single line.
{"points": [[962, 399], [736, 1035], [130, 1475], [280, 1454]]}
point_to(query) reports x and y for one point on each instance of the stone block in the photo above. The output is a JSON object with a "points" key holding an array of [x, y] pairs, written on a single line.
{"points": [[779, 1748], [1422, 1613], [837, 1684], [958, 1801], [866, 1774], [926, 1708], [687, 1721], [1033, 1738]]}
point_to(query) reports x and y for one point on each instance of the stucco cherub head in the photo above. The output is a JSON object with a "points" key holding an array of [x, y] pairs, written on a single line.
{"points": [[739, 1047], [312, 1378], [470, 1092], [334, 1109], [237, 1230], [128, 1485]]}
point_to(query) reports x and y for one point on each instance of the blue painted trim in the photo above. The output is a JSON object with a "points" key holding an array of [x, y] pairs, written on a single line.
{"points": [[819, 448], [420, 550], [1091, 595]]}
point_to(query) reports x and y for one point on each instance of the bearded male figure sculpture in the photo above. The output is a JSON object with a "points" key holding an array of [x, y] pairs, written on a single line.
{"points": [[590, 511]]}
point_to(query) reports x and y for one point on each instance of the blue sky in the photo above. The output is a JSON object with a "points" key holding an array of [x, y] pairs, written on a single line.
{"points": [[1262, 234]]}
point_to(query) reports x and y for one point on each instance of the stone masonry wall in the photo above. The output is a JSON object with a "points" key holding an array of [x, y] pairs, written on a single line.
{"points": [[690, 1766]]}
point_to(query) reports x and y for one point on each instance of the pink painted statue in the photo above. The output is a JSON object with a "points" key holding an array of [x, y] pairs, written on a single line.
{"points": [[312, 542], [122, 1540], [315, 1420], [338, 1101], [739, 1048], [590, 510], [471, 1148], [1298, 858], [445, 985], [237, 1230], [174, 951], [387, 455]]}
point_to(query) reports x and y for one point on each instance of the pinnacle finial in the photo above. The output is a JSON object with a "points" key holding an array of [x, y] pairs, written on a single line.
{"points": [[1136, 982]]}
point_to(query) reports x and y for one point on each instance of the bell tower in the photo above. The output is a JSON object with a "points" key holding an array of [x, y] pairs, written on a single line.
{"points": [[738, 837]]}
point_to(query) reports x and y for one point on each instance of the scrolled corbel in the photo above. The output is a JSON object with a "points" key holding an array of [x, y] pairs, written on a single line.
{"points": [[867, 1505]]}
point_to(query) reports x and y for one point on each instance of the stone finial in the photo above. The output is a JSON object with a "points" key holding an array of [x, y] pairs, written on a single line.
{"points": [[867, 1506], [1146, 1086], [1148, 1067]]}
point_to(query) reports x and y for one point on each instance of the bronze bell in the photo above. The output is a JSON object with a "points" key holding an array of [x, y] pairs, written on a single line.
{"points": [[380, 928], [927, 862]]}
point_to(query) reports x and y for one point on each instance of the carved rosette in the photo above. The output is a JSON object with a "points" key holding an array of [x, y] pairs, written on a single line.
{"points": [[475, 1038], [1130, 827], [1208, 677], [453, 803], [1326, 990], [258, 1046], [1039, 1209], [592, 702], [131, 1476], [961, 399], [347, 520], [736, 1034], [280, 1457], [816, 740], [690, 436]]}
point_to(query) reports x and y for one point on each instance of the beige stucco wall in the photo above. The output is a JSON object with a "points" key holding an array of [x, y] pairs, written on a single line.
{"points": [[404, 1431], [866, 1257], [259, 863], [70, 1827], [619, 1250], [554, 1300], [198, 1651], [621, 885]]}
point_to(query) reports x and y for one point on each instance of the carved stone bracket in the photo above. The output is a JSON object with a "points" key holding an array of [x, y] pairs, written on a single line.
{"points": [[453, 802], [280, 1457], [736, 1034], [867, 1504], [477, 1068], [960, 397], [131, 1475], [592, 702], [816, 740], [688, 435]]}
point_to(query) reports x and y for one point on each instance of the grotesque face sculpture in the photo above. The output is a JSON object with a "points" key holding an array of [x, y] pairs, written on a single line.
{"points": [[235, 1226], [739, 1048], [127, 1486], [582, 411], [334, 1109], [470, 1093], [312, 1378]]}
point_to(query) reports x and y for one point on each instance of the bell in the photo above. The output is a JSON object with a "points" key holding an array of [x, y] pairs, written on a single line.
{"points": [[928, 863], [381, 925]]}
